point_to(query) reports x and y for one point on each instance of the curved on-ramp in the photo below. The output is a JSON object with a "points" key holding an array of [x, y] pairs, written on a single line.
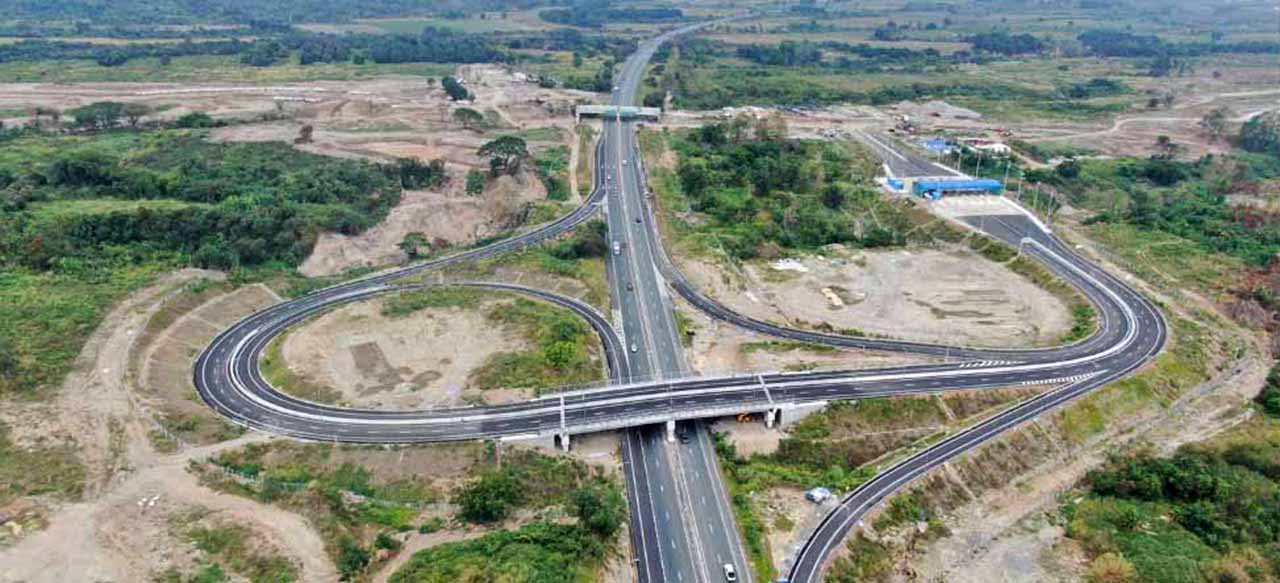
{"points": [[1131, 332]]}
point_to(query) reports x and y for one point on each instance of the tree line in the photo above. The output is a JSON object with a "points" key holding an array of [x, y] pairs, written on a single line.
{"points": [[597, 13]]}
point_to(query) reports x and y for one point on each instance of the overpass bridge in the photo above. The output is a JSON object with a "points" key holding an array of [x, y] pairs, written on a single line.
{"points": [[623, 112]]}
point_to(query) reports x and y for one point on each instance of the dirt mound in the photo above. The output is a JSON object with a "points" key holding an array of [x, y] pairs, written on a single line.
{"points": [[936, 108], [447, 218]]}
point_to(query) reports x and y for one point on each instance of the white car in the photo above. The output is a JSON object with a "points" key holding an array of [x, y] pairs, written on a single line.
{"points": [[729, 574], [617, 248]]}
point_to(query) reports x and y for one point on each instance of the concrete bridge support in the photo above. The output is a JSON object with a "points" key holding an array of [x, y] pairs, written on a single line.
{"points": [[671, 430], [790, 415], [771, 416], [563, 439]]}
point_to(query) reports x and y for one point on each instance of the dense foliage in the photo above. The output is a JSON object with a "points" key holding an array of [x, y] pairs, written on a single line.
{"points": [[762, 193], [432, 45], [1269, 397], [1006, 44], [1205, 514], [1261, 133], [239, 11], [1114, 43], [86, 219], [541, 552], [1187, 199], [597, 13], [226, 204]]}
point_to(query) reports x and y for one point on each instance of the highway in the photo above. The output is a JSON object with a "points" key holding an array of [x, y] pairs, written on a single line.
{"points": [[686, 508], [671, 485]]}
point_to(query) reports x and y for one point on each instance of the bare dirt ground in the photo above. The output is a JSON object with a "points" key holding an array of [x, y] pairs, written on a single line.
{"points": [[1006, 532], [164, 382], [421, 361], [378, 119], [1006, 535], [953, 297], [118, 539], [720, 348], [1244, 88], [106, 535], [448, 218], [601, 450]]}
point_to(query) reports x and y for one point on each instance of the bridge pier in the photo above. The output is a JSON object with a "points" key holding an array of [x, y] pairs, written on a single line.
{"points": [[770, 416], [563, 439], [788, 416], [671, 430]]}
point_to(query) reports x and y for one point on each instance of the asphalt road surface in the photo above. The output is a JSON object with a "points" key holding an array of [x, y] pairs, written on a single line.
{"points": [[687, 532], [1131, 332]]}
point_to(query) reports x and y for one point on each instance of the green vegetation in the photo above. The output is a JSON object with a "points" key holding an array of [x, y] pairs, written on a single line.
{"points": [[1209, 513], [1185, 364], [233, 548], [540, 551], [525, 479], [586, 157], [347, 502], [758, 194], [1262, 133], [1268, 398], [563, 355], [552, 166], [796, 71], [1179, 198], [406, 303], [275, 369], [89, 219], [866, 560], [578, 256], [741, 486], [505, 154], [53, 471], [777, 346]]}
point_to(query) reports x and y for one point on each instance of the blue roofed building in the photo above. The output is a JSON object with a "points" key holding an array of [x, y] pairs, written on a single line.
{"points": [[936, 189]]}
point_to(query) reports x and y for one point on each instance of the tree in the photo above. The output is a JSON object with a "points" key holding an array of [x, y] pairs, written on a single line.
{"points": [[833, 196], [352, 558], [577, 60], [490, 498], [1268, 398], [304, 135], [195, 119], [1166, 148], [469, 118], [454, 89], [476, 181], [505, 153], [1214, 123], [600, 508], [134, 112], [412, 173], [413, 244], [1262, 133], [100, 115]]}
